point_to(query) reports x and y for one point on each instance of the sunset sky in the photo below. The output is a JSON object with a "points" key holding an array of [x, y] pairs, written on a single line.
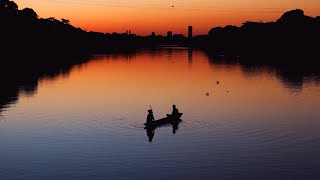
{"points": [[144, 16]]}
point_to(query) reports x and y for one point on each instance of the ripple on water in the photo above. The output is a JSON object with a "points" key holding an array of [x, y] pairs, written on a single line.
{"points": [[111, 123], [207, 123]]}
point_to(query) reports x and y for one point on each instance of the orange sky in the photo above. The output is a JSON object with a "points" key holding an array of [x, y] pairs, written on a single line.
{"points": [[145, 16]]}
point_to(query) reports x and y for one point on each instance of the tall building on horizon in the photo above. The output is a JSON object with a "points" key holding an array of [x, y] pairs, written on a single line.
{"points": [[169, 34], [189, 32]]}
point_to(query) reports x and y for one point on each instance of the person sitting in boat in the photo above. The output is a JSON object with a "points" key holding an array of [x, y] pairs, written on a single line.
{"points": [[150, 117], [175, 111]]}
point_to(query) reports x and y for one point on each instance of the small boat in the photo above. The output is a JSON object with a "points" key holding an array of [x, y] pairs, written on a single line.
{"points": [[170, 119]]}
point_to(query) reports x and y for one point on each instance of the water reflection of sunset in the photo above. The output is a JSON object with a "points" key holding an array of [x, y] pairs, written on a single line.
{"points": [[119, 84]]}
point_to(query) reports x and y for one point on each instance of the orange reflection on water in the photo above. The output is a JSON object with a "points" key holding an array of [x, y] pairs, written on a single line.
{"points": [[127, 85]]}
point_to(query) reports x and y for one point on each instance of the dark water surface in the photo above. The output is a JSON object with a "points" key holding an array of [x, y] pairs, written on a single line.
{"points": [[259, 122]]}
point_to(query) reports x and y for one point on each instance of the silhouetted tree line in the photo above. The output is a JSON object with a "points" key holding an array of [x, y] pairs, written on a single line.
{"points": [[24, 32], [291, 35]]}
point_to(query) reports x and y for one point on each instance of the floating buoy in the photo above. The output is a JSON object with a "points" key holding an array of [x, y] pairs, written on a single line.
{"points": [[218, 82]]}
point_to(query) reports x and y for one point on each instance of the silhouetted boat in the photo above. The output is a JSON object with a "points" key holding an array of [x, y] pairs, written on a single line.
{"points": [[170, 119]]}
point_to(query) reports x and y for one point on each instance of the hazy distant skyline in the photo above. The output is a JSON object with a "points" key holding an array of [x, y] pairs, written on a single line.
{"points": [[142, 16]]}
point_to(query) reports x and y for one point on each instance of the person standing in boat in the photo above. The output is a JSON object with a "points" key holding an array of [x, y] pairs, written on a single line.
{"points": [[150, 117]]}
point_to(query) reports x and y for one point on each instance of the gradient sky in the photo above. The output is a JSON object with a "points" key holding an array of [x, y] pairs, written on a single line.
{"points": [[144, 16]]}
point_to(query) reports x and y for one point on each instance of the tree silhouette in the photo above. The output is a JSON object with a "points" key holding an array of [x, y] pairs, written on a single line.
{"points": [[3, 3], [53, 20], [9, 5], [12, 5], [65, 21], [28, 12]]}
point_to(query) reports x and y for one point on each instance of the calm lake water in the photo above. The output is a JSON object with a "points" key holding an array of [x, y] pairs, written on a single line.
{"points": [[258, 122]]}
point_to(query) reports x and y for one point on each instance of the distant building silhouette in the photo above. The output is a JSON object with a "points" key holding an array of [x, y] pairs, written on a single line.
{"points": [[153, 34], [169, 34], [128, 32], [190, 32]]}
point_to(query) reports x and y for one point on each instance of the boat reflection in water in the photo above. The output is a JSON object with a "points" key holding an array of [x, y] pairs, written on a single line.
{"points": [[173, 119]]}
